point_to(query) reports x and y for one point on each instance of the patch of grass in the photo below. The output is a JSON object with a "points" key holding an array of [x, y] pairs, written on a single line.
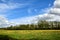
{"points": [[6, 37], [32, 34]]}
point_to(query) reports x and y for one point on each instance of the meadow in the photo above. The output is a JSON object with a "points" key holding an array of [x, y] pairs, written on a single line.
{"points": [[32, 34]]}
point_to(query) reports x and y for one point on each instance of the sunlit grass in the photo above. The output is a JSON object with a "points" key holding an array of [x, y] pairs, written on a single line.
{"points": [[32, 34]]}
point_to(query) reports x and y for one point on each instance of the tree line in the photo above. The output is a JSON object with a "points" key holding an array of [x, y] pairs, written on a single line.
{"points": [[40, 25]]}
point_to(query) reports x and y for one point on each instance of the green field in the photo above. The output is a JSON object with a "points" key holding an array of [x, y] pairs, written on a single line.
{"points": [[32, 34]]}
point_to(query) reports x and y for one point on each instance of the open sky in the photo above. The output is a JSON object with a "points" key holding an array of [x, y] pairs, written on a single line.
{"points": [[23, 8], [21, 11]]}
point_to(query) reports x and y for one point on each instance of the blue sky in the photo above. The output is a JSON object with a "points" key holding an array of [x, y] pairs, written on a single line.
{"points": [[30, 8], [25, 8], [21, 11]]}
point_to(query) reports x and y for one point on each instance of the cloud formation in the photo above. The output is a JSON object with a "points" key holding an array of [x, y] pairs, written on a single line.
{"points": [[57, 4], [51, 14], [4, 7], [3, 22]]}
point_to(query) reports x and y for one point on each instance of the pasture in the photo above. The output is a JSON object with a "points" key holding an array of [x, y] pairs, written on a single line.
{"points": [[32, 34]]}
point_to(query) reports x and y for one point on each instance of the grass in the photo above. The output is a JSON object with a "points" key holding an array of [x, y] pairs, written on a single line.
{"points": [[32, 34]]}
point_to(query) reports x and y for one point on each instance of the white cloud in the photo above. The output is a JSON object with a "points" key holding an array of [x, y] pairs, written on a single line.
{"points": [[55, 11], [9, 6], [51, 14], [57, 3], [56, 8], [3, 21], [4, 7], [24, 20], [31, 19]]}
